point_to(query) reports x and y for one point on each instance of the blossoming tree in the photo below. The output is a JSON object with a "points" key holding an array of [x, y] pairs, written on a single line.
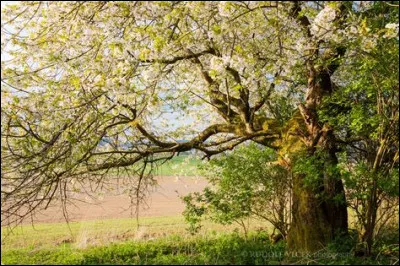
{"points": [[91, 86]]}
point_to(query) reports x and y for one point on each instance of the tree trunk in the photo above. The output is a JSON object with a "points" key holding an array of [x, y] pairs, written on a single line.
{"points": [[318, 216], [368, 236]]}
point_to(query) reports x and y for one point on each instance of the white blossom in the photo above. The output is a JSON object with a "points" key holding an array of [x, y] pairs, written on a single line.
{"points": [[392, 26], [217, 64], [225, 8], [322, 24], [226, 60], [149, 74], [368, 44], [392, 30]]}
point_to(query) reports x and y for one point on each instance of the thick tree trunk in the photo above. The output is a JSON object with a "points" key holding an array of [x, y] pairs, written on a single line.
{"points": [[318, 216], [315, 222], [319, 212]]}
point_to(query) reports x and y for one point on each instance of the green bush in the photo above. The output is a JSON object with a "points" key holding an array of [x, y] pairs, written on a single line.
{"points": [[244, 183]]}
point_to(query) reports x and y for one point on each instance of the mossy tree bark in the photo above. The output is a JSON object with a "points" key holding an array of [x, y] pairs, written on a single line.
{"points": [[319, 212], [318, 215]]}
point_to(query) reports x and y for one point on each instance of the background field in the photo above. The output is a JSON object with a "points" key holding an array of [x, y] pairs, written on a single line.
{"points": [[109, 219], [184, 165]]}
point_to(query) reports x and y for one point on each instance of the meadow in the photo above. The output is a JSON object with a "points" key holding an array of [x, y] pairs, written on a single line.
{"points": [[166, 240]]}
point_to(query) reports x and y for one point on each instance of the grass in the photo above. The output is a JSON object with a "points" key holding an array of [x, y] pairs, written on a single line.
{"points": [[164, 240], [218, 248], [183, 165], [117, 241], [100, 232]]}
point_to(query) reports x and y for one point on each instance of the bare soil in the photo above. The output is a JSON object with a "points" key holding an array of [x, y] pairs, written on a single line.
{"points": [[164, 200]]}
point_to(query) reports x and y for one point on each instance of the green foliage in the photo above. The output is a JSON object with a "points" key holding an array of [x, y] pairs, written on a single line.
{"points": [[242, 184], [363, 111], [345, 250], [368, 78], [344, 243], [192, 212], [225, 249], [310, 167], [360, 183], [281, 107], [313, 167], [359, 180]]}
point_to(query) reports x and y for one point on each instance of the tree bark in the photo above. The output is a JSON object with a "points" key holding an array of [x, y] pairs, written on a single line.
{"points": [[372, 209], [318, 216], [319, 212]]}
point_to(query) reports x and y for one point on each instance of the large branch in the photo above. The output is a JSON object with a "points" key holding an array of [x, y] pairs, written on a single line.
{"points": [[176, 58], [219, 99], [197, 142]]}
